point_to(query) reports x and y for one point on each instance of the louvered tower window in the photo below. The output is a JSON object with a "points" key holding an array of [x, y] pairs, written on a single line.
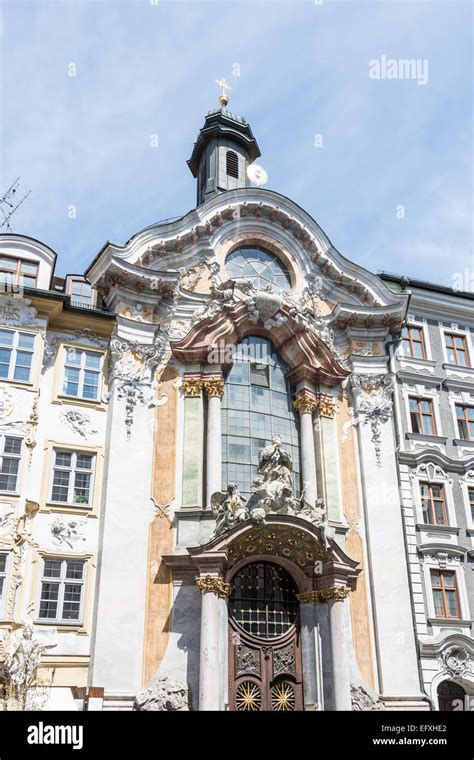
{"points": [[232, 164]]}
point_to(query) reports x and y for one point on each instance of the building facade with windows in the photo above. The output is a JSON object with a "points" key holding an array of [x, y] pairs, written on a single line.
{"points": [[204, 486], [434, 404]]}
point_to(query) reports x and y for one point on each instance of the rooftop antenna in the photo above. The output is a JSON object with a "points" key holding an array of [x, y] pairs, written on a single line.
{"points": [[9, 203]]}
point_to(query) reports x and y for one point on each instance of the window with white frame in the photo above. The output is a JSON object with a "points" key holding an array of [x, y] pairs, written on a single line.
{"points": [[72, 477], [62, 590], [10, 458], [422, 417], [456, 349], [413, 342], [3, 580], [16, 355], [445, 594], [465, 421], [82, 373], [433, 504], [81, 293]]}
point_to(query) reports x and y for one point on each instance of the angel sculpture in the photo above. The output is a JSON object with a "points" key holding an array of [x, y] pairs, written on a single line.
{"points": [[274, 463], [228, 508]]}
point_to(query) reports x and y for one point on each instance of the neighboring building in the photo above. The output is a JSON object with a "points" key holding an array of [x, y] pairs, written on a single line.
{"points": [[199, 488], [434, 406]]}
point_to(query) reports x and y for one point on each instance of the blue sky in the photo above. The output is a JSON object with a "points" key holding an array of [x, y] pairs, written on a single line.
{"points": [[149, 67]]}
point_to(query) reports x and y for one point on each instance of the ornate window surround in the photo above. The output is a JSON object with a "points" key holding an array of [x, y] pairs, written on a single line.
{"points": [[58, 372], [410, 361], [454, 329], [445, 560], [84, 626], [429, 472], [48, 506]]}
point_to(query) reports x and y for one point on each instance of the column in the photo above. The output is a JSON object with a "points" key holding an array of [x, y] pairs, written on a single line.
{"points": [[214, 388], [305, 404], [310, 652], [335, 598], [192, 442], [213, 589], [325, 433]]}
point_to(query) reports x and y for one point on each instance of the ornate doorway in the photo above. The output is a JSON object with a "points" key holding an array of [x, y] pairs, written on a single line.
{"points": [[264, 640]]}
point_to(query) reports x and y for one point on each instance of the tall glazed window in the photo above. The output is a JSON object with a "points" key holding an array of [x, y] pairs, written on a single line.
{"points": [[257, 405]]}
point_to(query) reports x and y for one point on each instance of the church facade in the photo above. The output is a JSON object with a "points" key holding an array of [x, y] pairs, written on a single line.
{"points": [[212, 495]]}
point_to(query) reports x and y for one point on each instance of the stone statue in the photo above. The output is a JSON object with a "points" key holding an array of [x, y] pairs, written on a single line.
{"points": [[228, 508], [318, 516], [221, 295], [273, 486]]}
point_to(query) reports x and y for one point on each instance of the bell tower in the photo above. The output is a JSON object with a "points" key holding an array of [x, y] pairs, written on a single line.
{"points": [[225, 147]]}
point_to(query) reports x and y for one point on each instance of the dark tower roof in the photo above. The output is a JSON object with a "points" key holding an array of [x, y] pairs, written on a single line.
{"points": [[223, 123]]}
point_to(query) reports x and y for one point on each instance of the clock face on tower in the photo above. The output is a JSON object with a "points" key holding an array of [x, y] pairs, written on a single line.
{"points": [[257, 266]]}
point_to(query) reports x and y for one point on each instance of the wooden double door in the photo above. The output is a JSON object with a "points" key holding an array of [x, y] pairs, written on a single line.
{"points": [[264, 641]]}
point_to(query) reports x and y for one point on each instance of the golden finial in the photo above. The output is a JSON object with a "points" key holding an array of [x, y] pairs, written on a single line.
{"points": [[223, 99]]}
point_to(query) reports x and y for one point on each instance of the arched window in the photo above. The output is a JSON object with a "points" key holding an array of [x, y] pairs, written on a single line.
{"points": [[263, 600], [232, 164], [257, 266], [257, 404], [450, 696]]}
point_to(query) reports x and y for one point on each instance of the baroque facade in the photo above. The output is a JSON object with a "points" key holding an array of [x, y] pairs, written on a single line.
{"points": [[213, 492]]}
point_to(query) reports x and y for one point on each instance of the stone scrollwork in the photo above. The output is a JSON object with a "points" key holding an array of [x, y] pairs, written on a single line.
{"points": [[305, 404], [456, 660], [79, 422], [67, 532], [374, 405], [192, 387], [16, 311], [264, 306], [210, 584], [222, 295]]}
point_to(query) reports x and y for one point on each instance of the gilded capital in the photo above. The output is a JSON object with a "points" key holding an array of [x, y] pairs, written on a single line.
{"points": [[326, 405], [210, 584], [214, 387], [305, 403], [192, 386], [335, 594]]}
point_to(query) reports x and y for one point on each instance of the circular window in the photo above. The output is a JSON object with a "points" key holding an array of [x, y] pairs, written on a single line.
{"points": [[257, 266], [263, 601]]}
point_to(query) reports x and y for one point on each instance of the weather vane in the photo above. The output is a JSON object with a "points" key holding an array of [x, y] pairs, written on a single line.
{"points": [[223, 99]]}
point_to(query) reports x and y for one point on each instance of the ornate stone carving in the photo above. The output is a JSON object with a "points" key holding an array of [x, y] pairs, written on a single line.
{"points": [[165, 695], [192, 387], [79, 422], [284, 661], [247, 661], [214, 387], [326, 405], [317, 515], [333, 594], [6, 402], [305, 403], [374, 405], [288, 543], [456, 660], [67, 532], [209, 584], [7, 515], [273, 486], [16, 311], [228, 508], [22, 652], [308, 597], [264, 306], [136, 393], [221, 295], [131, 359], [362, 700]]}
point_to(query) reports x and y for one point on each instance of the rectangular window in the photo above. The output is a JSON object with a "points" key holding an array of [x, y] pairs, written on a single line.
{"points": [[72, 477], [62, 587], [3, 580], [81, 293], [16, 355], [82, 373], [470, 494], [421, 416], [10, 458], [413, 343], [15, 271], [445, 594], [465, 419], [456, 349], [433, 504]]}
